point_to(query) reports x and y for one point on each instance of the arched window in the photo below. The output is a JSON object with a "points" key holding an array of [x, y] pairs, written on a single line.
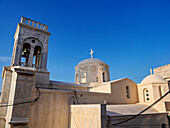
{"points": [[160, 91], [127, 92], [25, 54], [83, 77], [37, 57], [163, 125], [146, 95], [103, 74]]}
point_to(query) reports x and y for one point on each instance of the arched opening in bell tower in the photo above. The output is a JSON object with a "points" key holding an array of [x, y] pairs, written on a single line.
{"points": [[25, 55], [37, 57]]}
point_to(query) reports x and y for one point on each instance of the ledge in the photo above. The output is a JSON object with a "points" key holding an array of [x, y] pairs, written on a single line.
{"points": [[34, 28], [19, 121]]}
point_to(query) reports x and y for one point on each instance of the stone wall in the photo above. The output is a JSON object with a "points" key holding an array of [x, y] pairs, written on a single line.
{"points": [[163, 71]]}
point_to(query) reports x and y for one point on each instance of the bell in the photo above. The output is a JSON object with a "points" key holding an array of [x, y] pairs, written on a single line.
{"points": [[25, 53], [38, 51]]}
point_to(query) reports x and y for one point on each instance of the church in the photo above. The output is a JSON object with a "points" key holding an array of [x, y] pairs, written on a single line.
{"points": [[29, 99]]}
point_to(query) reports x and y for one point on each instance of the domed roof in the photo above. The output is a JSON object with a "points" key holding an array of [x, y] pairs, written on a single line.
{"points": [[153, 79], [91, 60]]}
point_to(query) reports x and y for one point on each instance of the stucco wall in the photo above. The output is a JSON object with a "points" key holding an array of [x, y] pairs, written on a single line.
{"points": [[118, 92], [53, 110], [7, 75], [101, 88], [86, 116]]}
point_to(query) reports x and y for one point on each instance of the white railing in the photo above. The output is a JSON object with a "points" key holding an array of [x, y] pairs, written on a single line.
{"points": [[34, 24]]}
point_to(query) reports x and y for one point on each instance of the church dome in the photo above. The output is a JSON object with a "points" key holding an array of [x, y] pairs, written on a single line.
{"points": [[153, 79], [91, 70], [91, 60]]}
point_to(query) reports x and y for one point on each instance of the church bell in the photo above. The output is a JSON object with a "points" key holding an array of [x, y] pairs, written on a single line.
{"points": [[25, 52]]}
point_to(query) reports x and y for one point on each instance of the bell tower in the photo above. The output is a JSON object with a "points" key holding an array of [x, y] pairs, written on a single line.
{"points": [[31, 45], [28, 72]]}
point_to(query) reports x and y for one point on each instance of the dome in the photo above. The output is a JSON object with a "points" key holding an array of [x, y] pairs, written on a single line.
{"points": [[153, 79], [91, 60]]}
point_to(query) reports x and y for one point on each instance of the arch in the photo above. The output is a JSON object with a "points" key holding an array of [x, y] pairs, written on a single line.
{"points": [[25, 54], [127, 92], [146, 95], [37, 57], [36, 52], [25, 40], [163, 125]]}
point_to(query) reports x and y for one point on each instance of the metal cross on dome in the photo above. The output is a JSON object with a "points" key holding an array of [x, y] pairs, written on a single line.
{"points": [[151, 71], [91, 53]]}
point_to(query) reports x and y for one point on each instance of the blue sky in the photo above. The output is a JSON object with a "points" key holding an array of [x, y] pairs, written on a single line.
{"points": [[131, 36]]}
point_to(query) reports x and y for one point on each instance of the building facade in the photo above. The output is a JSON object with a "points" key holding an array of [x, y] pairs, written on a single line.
{"points": [[29, 99]]}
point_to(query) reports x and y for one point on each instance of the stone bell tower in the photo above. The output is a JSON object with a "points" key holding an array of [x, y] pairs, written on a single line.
{"points": [[31, 45], [28, 71]]}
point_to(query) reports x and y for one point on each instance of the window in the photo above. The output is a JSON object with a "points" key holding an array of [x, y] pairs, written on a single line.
{"points": [[167, 106], [103, 74], [146, 95], [163, 125], [83, 77], [25, 55], [76, 78], [127, 92], [160, 91]]}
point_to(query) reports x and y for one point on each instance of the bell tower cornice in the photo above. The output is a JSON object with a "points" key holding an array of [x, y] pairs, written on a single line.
{"points": [[32, 25]]}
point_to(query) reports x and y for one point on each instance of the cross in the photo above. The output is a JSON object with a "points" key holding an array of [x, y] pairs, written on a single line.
{"points": [[151, 71], [91, 53]]}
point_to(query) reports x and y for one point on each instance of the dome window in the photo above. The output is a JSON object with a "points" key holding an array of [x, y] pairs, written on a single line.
{"points": [[76, 78], [103, 74], [83, 77]]}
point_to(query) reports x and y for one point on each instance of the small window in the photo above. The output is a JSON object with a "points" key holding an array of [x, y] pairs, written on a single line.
{"points": [[76, 78], [127, 92], [103, 74], [160, 91], [146, 95], [33, 41]]}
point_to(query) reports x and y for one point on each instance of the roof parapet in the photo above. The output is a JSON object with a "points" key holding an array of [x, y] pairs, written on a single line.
{"points": [[33, 23]]}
